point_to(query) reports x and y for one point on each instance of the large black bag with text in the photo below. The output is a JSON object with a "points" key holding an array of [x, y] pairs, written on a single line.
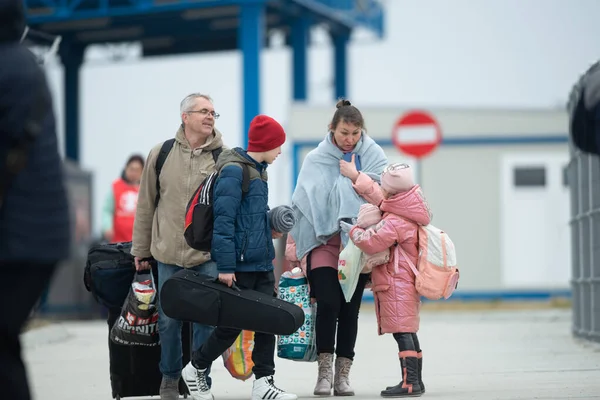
{"points": [[190, 296], [138, 323], [134, 370]]}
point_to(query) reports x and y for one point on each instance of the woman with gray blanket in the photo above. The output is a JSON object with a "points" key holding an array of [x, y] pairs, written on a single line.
{"points": [[335, 179]]}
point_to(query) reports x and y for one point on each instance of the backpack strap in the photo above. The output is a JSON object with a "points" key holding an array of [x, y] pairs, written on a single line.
{"points": [[160, 161], [245, 179], [215, 153], [245, 171], [399, 250], [245, 175]]}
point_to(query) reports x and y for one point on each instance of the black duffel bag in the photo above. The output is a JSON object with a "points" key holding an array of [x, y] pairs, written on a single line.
{"points": [[190, 296], [109, 271]]}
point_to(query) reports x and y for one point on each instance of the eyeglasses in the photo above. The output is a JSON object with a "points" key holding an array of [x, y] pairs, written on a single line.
{"points": [[205, 112]]}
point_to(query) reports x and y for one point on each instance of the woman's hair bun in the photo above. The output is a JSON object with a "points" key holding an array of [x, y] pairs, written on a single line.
{"points": [[342, 103]]}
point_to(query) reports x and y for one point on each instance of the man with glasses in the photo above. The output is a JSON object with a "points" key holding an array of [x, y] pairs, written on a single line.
{"points": [[159, 220]]}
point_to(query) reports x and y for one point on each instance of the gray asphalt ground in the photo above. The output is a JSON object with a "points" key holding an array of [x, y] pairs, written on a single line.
{"points": [[485, 354]]}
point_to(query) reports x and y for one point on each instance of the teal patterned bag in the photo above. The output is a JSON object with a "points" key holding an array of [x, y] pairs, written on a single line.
{"points": [[301, 345]]}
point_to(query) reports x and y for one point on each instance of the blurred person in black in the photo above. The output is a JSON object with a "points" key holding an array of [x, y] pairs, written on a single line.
{"points": [[34, 215]]}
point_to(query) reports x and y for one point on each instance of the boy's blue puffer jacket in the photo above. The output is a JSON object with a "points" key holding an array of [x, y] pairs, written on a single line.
{"points": [[242, 231]]}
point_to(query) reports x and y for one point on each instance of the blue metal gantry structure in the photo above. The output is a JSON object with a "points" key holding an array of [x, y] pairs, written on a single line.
{"points": [[166, 27]]}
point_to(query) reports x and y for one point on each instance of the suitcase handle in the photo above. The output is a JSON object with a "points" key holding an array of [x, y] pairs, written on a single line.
{"points": [[233, 285], [216, 280]]}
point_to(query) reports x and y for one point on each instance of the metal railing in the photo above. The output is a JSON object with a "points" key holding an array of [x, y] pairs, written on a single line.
{"points": [[584, 183]]}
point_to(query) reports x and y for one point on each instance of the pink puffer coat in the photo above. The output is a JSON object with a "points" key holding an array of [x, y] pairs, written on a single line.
{"points": [[397, 303]]}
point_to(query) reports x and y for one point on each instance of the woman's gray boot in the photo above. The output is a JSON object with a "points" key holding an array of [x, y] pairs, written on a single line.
{"points": [[325, 378], [341, 383]]}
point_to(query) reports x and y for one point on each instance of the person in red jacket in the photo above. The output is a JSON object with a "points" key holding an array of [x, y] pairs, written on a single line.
{"points": [[120, 205]]}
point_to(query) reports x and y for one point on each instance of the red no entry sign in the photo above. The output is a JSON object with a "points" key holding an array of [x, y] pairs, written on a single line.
{"points": [[417, 134]]}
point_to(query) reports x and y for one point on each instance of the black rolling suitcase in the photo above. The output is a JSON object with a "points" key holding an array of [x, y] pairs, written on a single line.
{"points": [[191, 296], [133, 370]]}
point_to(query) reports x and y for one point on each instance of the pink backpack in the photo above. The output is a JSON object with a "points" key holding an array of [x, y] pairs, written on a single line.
{"points": [[436, 273]]}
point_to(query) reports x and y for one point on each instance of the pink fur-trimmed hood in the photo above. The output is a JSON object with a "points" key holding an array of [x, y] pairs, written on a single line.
{"points": [[410, 205]]}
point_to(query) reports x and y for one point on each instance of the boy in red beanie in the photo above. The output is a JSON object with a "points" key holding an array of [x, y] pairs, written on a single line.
{"points": [[243, 250]]}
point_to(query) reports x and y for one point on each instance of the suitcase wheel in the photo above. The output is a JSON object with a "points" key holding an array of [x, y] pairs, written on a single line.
{"points": [[185, 396]]}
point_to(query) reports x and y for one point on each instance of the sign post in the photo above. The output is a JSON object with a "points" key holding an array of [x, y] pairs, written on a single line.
{"points": [[418, 134]]}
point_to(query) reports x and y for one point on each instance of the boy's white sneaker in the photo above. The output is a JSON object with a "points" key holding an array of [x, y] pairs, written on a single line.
{"points": [[264, 388], [195, 380]]}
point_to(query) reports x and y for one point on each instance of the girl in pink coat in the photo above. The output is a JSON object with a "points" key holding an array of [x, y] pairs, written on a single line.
{"points": [[397, 302]]}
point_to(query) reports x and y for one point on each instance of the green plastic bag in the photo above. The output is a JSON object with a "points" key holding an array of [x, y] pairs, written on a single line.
{"points": [[301, 345]]}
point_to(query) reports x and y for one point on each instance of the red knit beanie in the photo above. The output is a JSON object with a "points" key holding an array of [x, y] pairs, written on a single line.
{"points": [[265, 134]]}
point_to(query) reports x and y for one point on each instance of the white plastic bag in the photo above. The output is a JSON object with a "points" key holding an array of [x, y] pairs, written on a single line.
{"points": [[349, 268]]}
